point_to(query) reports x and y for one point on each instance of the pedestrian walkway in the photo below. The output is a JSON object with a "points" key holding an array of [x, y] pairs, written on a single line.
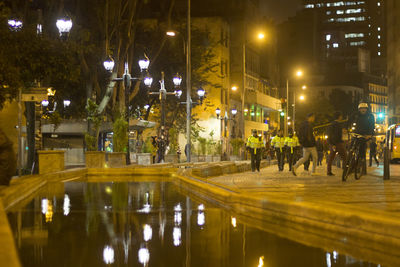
{"points": [[370, 192]]}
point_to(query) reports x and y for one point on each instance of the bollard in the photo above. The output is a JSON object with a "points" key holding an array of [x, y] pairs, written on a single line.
{"points": [[386, 163]]}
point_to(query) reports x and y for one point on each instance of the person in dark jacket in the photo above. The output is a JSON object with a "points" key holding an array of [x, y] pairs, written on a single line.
{"points": [[372, 152], [307, 140], [363, 122], [335, 141], [8, 161]]}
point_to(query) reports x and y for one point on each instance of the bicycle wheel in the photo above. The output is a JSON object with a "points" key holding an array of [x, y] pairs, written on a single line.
{"points": [[358, 172], [348, 165]]}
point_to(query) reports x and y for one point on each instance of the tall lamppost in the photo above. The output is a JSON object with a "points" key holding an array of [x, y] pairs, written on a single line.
{"points": [[299, 73], [127, 80], [260, 36], [301, 97], [162, 142]]}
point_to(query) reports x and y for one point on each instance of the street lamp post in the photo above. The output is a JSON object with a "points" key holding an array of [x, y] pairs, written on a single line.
{"points": [[298, 73], [127, 79], [163, 96]]}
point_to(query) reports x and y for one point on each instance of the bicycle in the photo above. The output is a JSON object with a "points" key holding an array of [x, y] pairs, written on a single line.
{"points": [[354, 160]]}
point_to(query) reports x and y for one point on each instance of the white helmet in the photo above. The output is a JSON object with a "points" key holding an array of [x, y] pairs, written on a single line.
{"points": [[362, 105]]}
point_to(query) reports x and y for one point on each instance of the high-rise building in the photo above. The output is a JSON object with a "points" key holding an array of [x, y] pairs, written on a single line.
{"points": [[393, 42], [351, 34]]}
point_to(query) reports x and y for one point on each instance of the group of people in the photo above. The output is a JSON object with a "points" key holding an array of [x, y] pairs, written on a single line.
{"points": [[289, 147]]}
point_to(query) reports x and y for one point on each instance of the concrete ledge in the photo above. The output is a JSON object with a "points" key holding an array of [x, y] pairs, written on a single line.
{"points": [[51, 161], [357, 232], [8, 251], [220, 168]]}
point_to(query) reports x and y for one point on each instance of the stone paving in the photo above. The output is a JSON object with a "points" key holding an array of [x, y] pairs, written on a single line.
{"points": [[371, 193]]}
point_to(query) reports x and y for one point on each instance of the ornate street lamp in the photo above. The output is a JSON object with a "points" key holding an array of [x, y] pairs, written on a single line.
{"points": [[15, 24], [201, 92], [109, 64], [234, 112], [218, 112], [144, 64], [148, 80], [177, 80], [64, 26]]}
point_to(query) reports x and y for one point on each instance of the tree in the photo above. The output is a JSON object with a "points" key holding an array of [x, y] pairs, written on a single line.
{"points": [[320, 106]]}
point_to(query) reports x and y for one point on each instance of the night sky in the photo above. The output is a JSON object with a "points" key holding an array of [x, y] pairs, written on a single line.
{"points": [[280, 10]]}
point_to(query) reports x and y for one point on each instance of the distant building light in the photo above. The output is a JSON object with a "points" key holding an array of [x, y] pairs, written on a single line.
{"points": [[379, 37], [335, 45], [379, 3], [379, 53], [328, 37], [379, 29], [309, 6]]}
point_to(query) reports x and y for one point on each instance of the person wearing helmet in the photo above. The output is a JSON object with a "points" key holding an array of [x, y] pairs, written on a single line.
{"points": [[362, 122]]}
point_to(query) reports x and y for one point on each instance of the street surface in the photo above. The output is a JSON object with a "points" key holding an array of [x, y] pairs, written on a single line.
{"points": [[370, 194]]}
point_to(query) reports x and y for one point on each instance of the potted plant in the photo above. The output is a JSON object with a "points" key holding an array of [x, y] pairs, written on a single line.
{"points": [[237, 144], [93, 157], [202, 148], [217, 151], [146, 157], [120, 141]]}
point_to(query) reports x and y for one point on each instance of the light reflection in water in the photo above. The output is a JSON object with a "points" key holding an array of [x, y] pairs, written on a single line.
{"points": [[328, 259], [67, 205], [177, 234], [261, 261], [201, 218], [108, 255], [146, 205], [47, 209], [147, 232], [233, 221], [45, 204], [144, 256], [335, 256]]}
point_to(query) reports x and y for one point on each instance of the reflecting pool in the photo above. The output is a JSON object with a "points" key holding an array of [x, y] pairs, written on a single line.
{"points": [[147, 224]]}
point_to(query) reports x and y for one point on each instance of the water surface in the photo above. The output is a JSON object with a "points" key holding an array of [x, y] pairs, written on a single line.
{"points": [[147, 224]]}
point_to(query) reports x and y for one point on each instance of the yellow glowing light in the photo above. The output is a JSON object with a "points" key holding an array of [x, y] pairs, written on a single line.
{"points": [[326, 137], [261, 261], [50, 91], [304, 87], [108, 190], [49, 212], [302, 97], [246, 110], [233, 221], [299, 73], [289, 123], [261, 35], [234, 88]]}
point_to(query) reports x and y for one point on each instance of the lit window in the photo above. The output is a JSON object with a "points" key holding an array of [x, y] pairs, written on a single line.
{"points": [[328, 37], [335, 45], [379, 37], [379, 3], [353, 11], [360, 43], [310, 6], [379, 29], [353, 35], [339, 12], [379, 45], [328, 12], [327, 46], [379, 53]]}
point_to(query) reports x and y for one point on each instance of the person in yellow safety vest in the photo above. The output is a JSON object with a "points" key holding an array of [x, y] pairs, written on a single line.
{"points": [[278, 142], [255, 145], [291, 142]]}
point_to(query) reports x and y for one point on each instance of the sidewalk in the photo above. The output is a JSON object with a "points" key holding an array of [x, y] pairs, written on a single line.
{"points": [[369, 193]]}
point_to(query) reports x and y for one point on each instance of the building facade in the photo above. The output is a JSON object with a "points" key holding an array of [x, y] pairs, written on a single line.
{"points": [[393, 42]]}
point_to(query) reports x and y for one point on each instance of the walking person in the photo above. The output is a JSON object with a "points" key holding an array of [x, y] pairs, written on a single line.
{"points": [[335, 140], [320, 151], [291, 143], [307, 140], [278, 142], [255, 145], [372, 152]]}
